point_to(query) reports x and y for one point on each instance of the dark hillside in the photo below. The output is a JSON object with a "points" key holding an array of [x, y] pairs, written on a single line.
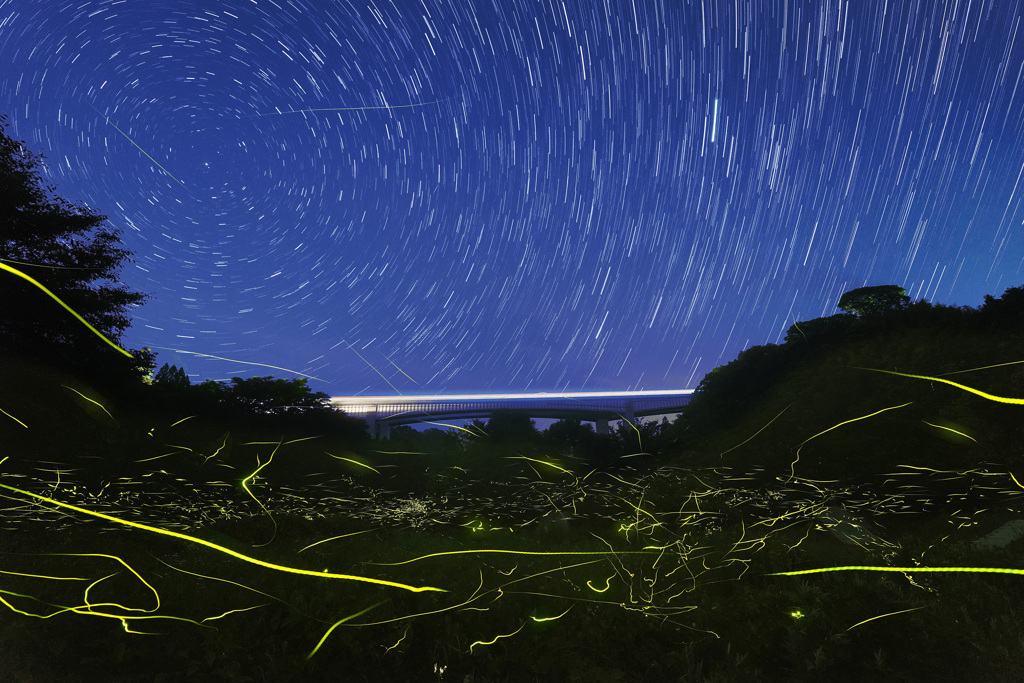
{"points": [[799, 394]]}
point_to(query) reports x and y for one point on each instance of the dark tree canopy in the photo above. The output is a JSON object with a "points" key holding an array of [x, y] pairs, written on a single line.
{"points": [[874, 300], [832, 327], [70, 250], [511, 426], [267, 395], [1006, 310], [171, 376], [569, 433]]}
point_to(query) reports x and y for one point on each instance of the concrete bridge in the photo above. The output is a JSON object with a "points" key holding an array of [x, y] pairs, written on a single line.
{"points": [[599, 407]]}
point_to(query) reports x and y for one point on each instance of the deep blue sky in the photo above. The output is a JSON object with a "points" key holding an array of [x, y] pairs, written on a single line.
{"points": [[523, 196]]}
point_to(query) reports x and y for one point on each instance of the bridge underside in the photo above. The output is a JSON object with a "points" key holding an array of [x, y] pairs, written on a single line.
{"points": [[380, 426]]}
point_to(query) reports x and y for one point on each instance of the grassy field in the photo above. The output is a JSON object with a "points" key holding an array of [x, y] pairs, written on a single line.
{"points": [[627, 575], [822, 535]]}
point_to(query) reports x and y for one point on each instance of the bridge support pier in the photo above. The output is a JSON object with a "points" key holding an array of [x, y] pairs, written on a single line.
{"points": [[379, 429], [630, 413], [601, 425]]}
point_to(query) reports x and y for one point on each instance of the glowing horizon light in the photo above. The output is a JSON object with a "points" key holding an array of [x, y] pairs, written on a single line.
{"points": [[369, 401]]}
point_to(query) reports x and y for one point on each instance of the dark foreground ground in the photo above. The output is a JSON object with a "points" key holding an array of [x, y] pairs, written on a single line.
{"points": [[666, 574], [848, 525]]}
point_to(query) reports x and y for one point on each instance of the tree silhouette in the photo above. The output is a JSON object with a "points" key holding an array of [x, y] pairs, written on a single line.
{"points": [[873, 300], [508, 426], [1006, 310], [569, 434], [268, 395], [69, 249], [171, 376]]}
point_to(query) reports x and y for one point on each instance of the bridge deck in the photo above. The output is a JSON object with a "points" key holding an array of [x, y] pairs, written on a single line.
{"points": [[596, 406]]}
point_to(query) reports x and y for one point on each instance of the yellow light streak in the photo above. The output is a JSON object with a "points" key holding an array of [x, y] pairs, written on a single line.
{"points": [[335, 538], [990, 397], [932, 570], [400, 369], [354, 462], [510, 552], [136, 145], [94, 402], [639, 439], [235, 360], [540, 462], [926, 469], [371, 366], [41, 287], [13, 418], [859, 623], [477, 594], [444, 424], [222, 446], [45, 265], [496, 638], [155, 457], [233, 583], [985, 367], [51, 578], [245, 485], [806, 534], [758, 431], [336, 625], [86, 610], [950, 429], [234, 611], [792, 465], [398, 642], [222, 549]]}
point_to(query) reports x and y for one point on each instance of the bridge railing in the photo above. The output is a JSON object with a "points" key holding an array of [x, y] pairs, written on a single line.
{"points": [[598, 407]]}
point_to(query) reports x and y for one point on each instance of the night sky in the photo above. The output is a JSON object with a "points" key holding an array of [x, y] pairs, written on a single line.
{"points": [[508, 195]]}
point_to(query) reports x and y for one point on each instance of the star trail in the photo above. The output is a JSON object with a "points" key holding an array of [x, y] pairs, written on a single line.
{"points": [[480, 197]]}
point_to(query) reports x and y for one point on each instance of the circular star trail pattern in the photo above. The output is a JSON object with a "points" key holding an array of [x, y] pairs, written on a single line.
{"points": [[523, 196]]}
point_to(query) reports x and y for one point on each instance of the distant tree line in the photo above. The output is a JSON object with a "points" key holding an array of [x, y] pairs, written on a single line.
{"points": [[275, 403], [512, 433], [258, 395]]}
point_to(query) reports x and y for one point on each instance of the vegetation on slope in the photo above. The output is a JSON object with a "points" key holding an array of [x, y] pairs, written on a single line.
{"points": [[838, 369]]}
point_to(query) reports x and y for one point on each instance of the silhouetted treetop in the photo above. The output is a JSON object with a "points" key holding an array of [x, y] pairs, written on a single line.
{"points": [[873, 300], [511, 426], [71, 250], [1005, 311], [276, 396], [171, 376]]}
